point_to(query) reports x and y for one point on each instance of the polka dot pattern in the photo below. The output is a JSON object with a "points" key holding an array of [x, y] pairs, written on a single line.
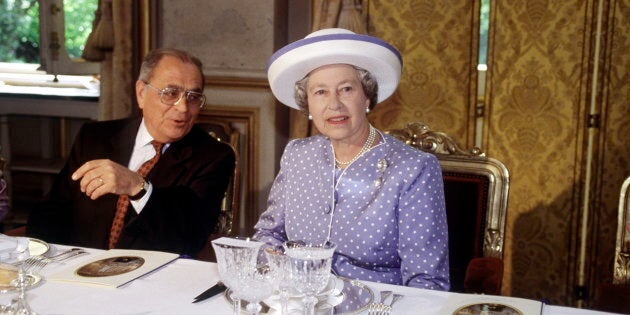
{"points": [[386, 211]]}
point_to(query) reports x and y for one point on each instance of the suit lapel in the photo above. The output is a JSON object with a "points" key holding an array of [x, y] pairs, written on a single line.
{"points": [[173, 163], [122, 142]]}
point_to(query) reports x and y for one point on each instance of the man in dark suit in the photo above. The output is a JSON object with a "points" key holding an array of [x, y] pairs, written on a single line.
{"points": [[175, 205]]}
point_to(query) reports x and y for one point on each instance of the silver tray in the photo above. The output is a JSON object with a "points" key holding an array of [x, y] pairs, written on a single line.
{"points": [[357, 297], [353, 299]]}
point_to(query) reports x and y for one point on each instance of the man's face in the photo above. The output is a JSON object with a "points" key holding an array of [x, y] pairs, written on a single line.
{"points": [[169, 123]]}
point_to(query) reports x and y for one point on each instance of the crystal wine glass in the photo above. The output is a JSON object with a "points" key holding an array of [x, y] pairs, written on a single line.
{"points": [[254, 285], [280, 269], [232, 255], [15, 259], [310, 269], [20, 305]]}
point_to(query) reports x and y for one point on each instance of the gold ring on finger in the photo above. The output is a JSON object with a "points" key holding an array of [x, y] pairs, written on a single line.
{"points": [[100, 180]]}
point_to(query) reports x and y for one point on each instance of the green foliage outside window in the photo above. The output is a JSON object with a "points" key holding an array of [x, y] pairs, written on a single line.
{"points": [[19, 28], [19, 31], [484, 21], [80, 13]]}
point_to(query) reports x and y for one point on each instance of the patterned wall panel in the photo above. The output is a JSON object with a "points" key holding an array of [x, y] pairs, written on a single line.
{"points": [[538, 97], [535, 126], [435, 40]]}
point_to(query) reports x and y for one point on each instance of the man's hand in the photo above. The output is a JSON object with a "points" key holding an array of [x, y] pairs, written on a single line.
{"points": [[100, 177]]}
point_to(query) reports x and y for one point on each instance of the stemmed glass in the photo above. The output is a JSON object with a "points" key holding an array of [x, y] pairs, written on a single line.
{"points": [[22, 281], [280, 269], [20, 305], [310, 269], [234, 255], [254, 285]]}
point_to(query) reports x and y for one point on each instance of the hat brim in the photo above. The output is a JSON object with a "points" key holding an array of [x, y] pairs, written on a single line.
{"points": [[294, 61]]}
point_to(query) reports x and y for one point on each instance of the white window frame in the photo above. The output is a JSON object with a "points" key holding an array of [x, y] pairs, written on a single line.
{"points": [[53, 54]]}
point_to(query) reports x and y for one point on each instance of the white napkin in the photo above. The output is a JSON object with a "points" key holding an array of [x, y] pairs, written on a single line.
{"points": [[13, 249]]}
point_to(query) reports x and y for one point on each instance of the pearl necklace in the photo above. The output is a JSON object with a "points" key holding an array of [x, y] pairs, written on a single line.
{"points": [[366, 146]]}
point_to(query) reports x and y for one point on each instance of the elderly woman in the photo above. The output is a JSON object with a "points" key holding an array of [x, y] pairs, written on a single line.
{"points": [[380, 201]]}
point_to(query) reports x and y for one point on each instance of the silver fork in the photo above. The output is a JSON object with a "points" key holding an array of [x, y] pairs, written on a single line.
{"points": [[380, 308], [35, 259], [37, 263]]}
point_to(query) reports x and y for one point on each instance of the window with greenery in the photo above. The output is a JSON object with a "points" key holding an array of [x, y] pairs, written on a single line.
{"points": [[79, 15], [41, 42], [484, 24], [19, 31]]}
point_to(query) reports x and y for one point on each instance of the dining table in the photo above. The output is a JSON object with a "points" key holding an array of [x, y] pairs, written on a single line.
{"points": [[171, 289]]}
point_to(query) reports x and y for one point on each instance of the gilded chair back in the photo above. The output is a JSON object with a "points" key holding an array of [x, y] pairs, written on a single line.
{"points": [[230, 206], [621, 273], [476, 192], [615, 296]]}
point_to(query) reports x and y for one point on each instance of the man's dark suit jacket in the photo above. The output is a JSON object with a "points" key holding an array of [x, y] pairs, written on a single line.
{"points": [[189, 181]]}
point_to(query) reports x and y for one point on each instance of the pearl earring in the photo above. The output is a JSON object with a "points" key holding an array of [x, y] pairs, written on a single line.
{"points": [[367, 110], [310, 117]]}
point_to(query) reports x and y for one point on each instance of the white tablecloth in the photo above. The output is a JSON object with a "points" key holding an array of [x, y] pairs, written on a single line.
{"points": [[171, 289]]}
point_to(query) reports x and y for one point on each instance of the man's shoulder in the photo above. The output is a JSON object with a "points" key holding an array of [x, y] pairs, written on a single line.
{"points": [[197, 134], [115, 124], [198, 137]]}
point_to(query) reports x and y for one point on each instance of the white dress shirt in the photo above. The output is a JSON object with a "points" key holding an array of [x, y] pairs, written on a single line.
{"points": [[142, 151]]}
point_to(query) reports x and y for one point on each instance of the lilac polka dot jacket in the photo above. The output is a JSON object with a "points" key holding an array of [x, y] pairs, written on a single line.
{"points": [[385, 211]]}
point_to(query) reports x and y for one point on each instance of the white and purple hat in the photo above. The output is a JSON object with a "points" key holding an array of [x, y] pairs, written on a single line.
{"points": [[333, 46]]}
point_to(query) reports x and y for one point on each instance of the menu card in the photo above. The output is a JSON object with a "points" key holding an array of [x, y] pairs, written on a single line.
{"points": [[115, 268]]}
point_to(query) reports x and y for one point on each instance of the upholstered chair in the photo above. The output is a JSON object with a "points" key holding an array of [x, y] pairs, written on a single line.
{"points": [[476, 193], [615, 296]]}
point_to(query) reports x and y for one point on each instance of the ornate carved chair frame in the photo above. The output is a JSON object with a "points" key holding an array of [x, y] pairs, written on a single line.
{"points": [[615, 296], [227, 224], [621, 273], [476, 231]]}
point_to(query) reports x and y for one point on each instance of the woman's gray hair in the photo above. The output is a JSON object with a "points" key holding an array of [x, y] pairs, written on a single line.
{"points": [[368, 83], [153, 58]]}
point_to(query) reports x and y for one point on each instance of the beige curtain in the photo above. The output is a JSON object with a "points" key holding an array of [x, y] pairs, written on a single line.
{"points": [[110, 43], [348, 14]]}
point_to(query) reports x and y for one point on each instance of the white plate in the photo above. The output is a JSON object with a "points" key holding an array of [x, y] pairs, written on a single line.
{"points": [[37, 247]]}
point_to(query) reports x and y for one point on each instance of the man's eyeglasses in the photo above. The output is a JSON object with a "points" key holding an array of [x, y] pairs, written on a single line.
{"points": [[171, 96]]}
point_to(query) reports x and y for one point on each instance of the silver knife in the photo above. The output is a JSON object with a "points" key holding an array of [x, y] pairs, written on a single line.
{"points": [[214, 290]]}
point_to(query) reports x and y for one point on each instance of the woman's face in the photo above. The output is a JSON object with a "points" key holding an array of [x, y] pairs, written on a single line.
{"points": [[337, 102]]}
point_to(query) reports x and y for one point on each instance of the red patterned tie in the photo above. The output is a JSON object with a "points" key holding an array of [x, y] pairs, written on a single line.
{"points": [[123, 200]]}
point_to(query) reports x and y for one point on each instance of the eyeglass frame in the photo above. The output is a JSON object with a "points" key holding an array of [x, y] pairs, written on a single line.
{"points": [[181, 94]]}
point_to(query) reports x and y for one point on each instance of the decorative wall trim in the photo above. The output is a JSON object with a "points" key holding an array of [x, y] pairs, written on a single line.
{"points": [[236, 82]]}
